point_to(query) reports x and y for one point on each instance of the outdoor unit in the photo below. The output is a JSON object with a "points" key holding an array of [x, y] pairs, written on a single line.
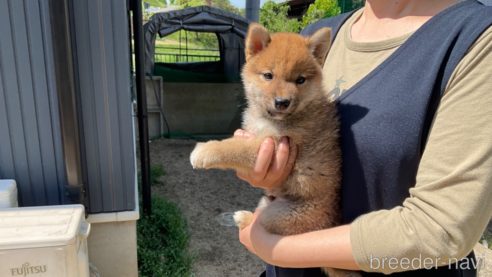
{"points": [[48, 241]]}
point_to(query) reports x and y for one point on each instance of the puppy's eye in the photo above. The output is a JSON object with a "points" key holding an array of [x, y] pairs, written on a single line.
{"points": [[300, 80], [268, 76]]}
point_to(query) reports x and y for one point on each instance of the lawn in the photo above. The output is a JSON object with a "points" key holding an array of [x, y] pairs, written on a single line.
{"points": [[198, 47]]}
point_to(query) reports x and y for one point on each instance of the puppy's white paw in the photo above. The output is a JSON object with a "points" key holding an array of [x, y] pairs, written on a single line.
{"points": [[194, 154], [199, 157], [243, 218]]}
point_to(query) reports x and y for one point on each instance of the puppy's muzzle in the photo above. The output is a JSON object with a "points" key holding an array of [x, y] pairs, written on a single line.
{"points": [[281, 103]]}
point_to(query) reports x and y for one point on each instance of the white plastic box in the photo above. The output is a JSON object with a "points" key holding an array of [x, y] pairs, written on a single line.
{"points": [[48, 241], [8, 194]]}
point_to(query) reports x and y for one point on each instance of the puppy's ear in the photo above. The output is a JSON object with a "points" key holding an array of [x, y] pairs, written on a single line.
{"points": [[256, 40], [319, 44]]}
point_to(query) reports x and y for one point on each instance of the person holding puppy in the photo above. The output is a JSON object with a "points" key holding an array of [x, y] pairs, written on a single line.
{"points": [[411, 80]]}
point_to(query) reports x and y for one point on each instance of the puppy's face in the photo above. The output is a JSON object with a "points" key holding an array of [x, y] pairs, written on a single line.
{"points": [[283, 71]]}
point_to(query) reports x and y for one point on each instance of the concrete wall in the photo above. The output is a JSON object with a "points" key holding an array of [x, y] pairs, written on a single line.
{"points": [[202, 108], [113, 248], [155, 120], [194, 108]]}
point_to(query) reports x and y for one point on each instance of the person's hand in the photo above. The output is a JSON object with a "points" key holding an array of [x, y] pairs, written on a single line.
{"points": [[256, 238], [268, 173], [245, 233]]}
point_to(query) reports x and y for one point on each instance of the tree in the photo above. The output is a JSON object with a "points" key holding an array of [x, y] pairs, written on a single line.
{"points": [[221, 4], [190, 3], [274, 17], [320, 9], [349, 5], [207, 40], [226, 5]]}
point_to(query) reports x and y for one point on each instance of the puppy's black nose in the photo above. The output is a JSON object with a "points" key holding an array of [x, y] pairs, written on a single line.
{"points": [[281, 103]]}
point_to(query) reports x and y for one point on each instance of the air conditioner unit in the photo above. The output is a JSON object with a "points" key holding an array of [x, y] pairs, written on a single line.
{"points": [[48, 241]]}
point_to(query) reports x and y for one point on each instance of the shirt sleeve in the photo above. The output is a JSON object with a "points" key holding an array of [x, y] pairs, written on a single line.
{"points": [[451, 204]]}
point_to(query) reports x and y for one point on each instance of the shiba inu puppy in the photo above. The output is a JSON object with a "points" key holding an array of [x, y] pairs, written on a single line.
{"points": [[283, 84]]}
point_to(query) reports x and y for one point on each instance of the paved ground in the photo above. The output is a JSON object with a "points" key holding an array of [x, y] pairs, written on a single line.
{"points": [[485, 260], [208, 198]]}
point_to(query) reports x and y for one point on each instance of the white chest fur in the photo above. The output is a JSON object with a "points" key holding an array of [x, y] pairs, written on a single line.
{"points": [[260, 126]]}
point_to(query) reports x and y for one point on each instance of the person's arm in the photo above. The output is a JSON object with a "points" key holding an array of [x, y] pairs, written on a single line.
{"points": [[325, 248]]}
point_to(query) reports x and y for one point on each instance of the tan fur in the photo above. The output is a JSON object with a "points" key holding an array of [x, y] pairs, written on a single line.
{"points": [[312, 189]]}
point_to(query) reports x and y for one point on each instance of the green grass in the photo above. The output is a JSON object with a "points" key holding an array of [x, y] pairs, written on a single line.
{"points": [[163, 237], [174, 56], [190, 54], [198, 44], [489, 240], [156, 172], [193, 50], [195, 39], [169, 49]]}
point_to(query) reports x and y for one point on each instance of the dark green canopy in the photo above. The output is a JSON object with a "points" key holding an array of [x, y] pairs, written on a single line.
{"points": [[231, 30]]}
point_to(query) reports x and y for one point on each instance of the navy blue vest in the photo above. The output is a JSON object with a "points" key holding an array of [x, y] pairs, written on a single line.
{"points": [[385, 117]]}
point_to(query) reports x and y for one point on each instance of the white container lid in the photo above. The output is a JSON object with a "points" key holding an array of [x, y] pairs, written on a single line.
{"points": [[8, 194], [7, 187], [45, 226]]}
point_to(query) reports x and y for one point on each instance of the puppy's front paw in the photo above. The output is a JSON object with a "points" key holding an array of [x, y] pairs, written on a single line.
{"points": [[195, 154], [202, 156], [243, 218]]}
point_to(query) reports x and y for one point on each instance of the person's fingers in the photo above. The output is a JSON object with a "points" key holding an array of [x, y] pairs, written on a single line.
{"points": [[271, 168], [285, 171], [253, 178], [289, 165], [279, 160], [292, 159], [263, 160], [245, 239], [241, 175], [239, 133]]}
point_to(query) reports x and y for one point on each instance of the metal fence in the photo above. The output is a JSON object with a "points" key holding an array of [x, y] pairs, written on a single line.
{"points": [[176, 54]]}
